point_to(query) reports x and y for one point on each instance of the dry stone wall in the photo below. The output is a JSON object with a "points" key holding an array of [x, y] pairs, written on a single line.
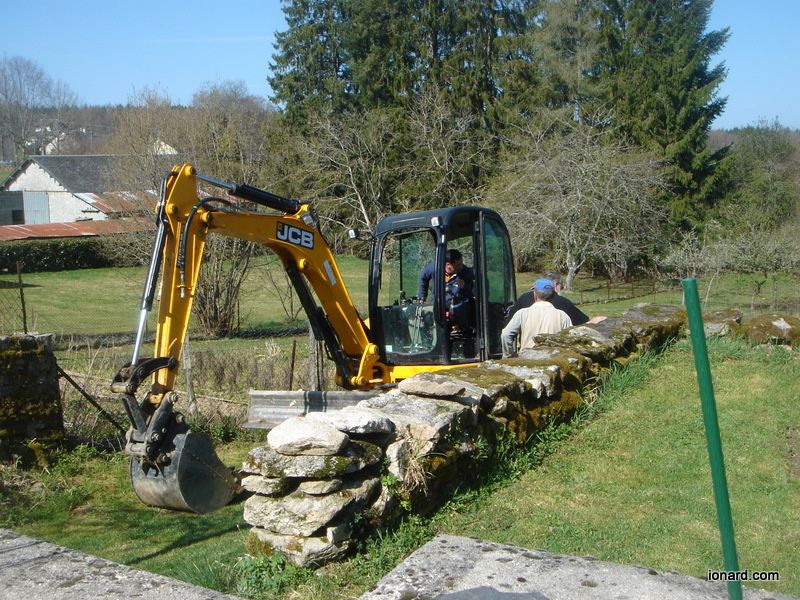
{"points": [[30, 403], [323, 478]]}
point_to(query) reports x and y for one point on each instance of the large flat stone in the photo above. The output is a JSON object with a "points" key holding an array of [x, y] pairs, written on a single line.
{"points": [[300, 436], [423, 419], [31, 569], [440, 385], [304, 551], [302, 514], [267, 462], [459, 568], [354, 419]]}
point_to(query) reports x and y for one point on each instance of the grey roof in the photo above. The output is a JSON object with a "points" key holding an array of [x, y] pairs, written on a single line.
{"points": [[80, 173], [89, 173]]}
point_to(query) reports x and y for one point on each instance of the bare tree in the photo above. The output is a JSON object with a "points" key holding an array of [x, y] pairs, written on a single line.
{"points": [[581, 193], [350, 155], [32, 106], [224, 271], [446, 152], [143, 138], [140, 140], [221, 133], [704, 254], [759, 253]]}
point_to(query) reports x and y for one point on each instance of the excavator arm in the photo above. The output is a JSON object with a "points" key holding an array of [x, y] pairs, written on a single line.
{"points": [[171, 466], [293, 236]]}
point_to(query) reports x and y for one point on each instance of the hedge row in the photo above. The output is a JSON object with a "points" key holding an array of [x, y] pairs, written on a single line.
{"points": [[61, 254]]}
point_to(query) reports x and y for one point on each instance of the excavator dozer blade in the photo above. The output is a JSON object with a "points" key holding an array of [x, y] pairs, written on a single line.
{"points": [[193, 478]]}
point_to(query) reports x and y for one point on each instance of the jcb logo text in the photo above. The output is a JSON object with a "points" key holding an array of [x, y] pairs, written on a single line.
{"points": [[293, 235]]}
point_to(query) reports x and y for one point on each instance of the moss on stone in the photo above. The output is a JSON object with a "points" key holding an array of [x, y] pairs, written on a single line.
{"points": [[485, 378], [30, 402], [255, 546], [773, 328]]}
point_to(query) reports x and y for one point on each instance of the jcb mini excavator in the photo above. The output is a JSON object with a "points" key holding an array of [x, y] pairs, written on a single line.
{"points": [[174, 467]]}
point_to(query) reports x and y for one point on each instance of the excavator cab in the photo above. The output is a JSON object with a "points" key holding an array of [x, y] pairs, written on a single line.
{"points": [[415, 331]]}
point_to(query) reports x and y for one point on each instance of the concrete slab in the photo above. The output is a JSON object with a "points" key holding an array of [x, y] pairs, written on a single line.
{"points": [[31, 569], [459, 568]]}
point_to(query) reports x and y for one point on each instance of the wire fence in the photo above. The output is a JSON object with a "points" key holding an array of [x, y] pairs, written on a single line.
{"points": [[94, 336], [13, 316], [213, 380], [91, 315], [10, 310]]}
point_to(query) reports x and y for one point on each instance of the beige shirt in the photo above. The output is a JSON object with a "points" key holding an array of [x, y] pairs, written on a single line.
{"points": [[540, 317]]}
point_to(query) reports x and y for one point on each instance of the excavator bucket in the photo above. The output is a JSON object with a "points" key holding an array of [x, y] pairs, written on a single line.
{"points": [[189, 475]]}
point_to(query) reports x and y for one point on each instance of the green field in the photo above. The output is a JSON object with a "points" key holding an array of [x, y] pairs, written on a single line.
{"points": [[105, 301], [627, 482]]}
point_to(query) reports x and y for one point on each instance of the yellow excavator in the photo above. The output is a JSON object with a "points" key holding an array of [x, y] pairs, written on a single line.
{"points": [[404, 334]]}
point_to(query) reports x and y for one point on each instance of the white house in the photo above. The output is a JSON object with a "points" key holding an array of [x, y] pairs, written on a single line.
{"points": [[65, 189], [72, 196], [51, 186]]}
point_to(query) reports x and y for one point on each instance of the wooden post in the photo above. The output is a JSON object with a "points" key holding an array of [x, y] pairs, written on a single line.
{"points": [[291, 365], [320, 362], [312, 360], [187, 373], [22, 298]]}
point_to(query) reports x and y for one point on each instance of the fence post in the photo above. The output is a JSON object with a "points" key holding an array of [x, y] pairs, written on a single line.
{"points": [[711, 422], [22, 298], [291, 365], [187, 373], [313, 370]]}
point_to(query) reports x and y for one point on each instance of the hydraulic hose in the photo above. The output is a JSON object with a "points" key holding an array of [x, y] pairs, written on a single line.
{"points": [[181, 263]]}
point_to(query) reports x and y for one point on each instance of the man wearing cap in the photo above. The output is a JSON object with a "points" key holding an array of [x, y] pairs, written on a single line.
{"points": [[540, 317], [576, 315]]}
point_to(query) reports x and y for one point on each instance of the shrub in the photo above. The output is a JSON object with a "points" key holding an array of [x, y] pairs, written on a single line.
{"points": [[61, 254]]}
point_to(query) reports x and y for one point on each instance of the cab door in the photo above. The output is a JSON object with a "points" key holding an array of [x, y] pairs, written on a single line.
{"points": [[497, 284]]}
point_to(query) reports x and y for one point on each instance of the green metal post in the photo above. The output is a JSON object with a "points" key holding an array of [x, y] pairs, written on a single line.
{"points": [[720, 482]]}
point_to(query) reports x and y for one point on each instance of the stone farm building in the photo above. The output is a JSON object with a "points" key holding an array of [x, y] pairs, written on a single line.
{"points": [[69, 196]]}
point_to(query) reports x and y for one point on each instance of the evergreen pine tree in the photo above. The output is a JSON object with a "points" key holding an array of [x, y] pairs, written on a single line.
{"points": [[663, 89], [569, 65], [310, 66]]}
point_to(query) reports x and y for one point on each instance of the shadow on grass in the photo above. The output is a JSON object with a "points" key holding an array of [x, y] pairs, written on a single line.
{"points": [[14, 285], [199, 533]]}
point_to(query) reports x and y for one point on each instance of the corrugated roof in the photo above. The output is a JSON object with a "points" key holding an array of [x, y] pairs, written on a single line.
{"points": [[10, 233], [112, 203]]}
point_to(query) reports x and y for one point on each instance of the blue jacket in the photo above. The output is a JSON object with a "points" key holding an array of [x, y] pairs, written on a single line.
{"points": [[452, 293]]}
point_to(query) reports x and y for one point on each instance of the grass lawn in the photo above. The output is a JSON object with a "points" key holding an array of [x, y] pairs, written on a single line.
{"points": [[87, 504], [103, 301], [629, 485], [634, 485]]}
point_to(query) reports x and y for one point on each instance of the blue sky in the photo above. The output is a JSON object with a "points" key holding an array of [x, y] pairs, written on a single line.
{"points": [[106, 51]]}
